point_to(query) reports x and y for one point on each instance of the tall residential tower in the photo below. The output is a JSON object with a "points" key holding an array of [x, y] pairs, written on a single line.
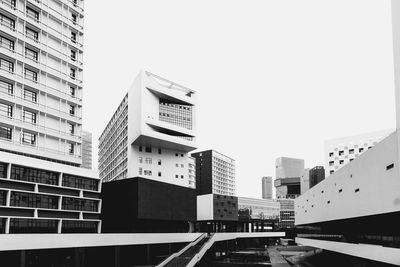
{"points": [[42, 188], [215, 173]]}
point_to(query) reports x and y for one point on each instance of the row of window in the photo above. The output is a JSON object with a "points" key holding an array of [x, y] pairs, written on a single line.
{"points": [[149, 149], [30, 33]]}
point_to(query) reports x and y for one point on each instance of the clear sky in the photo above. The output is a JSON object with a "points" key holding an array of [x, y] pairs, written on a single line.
{"points": [[273, 78]]}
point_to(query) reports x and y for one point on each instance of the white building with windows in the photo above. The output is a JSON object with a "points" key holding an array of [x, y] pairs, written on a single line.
{"points": [[340, 151], [42, 187], [151, 133]]}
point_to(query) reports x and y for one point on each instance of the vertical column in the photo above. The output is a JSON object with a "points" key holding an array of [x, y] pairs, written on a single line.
{"points": [[23, 258], [9, 167], [117, 256]]}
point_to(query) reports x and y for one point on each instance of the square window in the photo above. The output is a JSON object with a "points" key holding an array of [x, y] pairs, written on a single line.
{"points": [[159, 174]]}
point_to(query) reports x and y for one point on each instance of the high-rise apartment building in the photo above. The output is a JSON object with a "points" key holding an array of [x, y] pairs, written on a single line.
{"points": [[151, 133], [42, 187], [86, 150], [340, 151], [215, 173], [267, 187], [144, 161]]}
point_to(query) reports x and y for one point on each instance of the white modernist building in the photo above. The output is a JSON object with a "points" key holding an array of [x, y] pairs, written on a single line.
{"points": [[87, 149], [151, 133], [42, 188], [359, 204], [340, 151]]}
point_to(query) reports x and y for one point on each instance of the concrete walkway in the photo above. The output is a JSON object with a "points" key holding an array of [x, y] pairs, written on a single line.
{"points": [[276, 258]]}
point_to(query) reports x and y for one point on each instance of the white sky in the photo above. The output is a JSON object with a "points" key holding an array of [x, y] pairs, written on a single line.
{"points": [[273, 78]]}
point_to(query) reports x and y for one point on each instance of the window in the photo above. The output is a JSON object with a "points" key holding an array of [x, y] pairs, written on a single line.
{"points": [[72, 73], [71, 148], [159, 151], [140, 149], [148, 149], [149, 161], [7, 43], [176, 155], [71, 110], [390, 166], [73, 55], [176, 165], [28, 138], [6, 87], [140, 160], [340, 190], [357, 190], [73, 18], [30, 12], [5, 132], [159, 174], [10, 3], [6, 21], [351, 151], [30, 75], [71, 128], [30, 95], [182, 165], [6, 110], [341, 152], [361, 149], [369, 147], [182, 176], [147, 172], [6, 65], [330, 154], [328, 202], [29, 116], [74, 181], [181, 155], [351, 160], [331, 163], [73, 37], [32, 34], [29, 53], [140, 171], [176, 176], [159, 162], [341, 161], [72, 91]]}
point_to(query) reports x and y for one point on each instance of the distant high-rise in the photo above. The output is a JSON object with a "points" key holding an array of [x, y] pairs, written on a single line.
{"points": [[215, 173], [340, 151], [305, 181], [288, 167], [317, 174], [267, 184], [86, 150]]}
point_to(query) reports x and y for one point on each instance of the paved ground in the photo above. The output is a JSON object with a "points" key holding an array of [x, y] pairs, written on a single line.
{"points": [[276, 258]]}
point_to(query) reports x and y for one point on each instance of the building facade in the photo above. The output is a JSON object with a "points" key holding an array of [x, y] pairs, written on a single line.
{"points": [[267, 187], [317, 174], [86, 150], [305, 181], [42, 188], [286, 213], [215, 173], [340, 151], [288, 167], [151, 133]]}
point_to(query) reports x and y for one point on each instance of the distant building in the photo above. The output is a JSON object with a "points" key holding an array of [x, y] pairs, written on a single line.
{"points": [[288, 167], [86, 150], [267, 184], [316, 174], [219, 213], [340, 151], [286, 213], [215, 173], [305, 181]]}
